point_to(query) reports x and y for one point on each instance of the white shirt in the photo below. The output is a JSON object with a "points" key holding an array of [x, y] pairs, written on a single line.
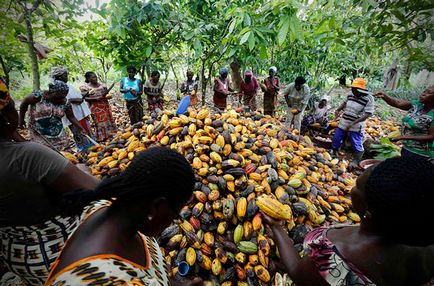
{"points": [[297, 98], [80, 110]]}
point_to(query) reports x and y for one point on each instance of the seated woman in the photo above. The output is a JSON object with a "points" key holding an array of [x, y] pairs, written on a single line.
{"points": [[385, 248], [34, 221], [319, 117], [114, 245]]}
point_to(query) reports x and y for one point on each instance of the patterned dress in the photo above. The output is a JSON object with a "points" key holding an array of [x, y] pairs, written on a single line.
{"points": [[333, 267], [105, 126], [221, 90], [110, 269], [46, 124], [270, 95], [154, 93], [30, 251], [417, 123]]}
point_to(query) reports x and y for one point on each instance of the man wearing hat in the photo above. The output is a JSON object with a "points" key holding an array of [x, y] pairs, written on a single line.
{"points": [[358, 106]]}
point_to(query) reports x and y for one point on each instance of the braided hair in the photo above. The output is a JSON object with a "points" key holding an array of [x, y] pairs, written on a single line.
{"points": [[399, 196], [156, 172]]}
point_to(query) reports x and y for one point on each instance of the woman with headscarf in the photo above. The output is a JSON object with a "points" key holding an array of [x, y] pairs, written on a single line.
{"points": [[47, 109], [248, 89], [35, 221], [80, 109], [319, 116], [221, 89], [270, 87], [95, 93]]}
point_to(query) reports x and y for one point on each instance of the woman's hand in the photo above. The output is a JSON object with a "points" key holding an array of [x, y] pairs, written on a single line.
{"points": [[396, 139], [22, 124]]}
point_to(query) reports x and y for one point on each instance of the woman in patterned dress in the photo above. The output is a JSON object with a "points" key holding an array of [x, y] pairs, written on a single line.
{"points": [[417, 125], [270, 87], [221, 89], [46, 112], [34, 222], [379, 250], [120, 248], [95, 93]]}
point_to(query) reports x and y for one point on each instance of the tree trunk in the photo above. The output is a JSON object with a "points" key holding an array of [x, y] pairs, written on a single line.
{"points": [[5, 70], [236, 74], [142, 74], [175, 75], [32, 54], [203, 81]]}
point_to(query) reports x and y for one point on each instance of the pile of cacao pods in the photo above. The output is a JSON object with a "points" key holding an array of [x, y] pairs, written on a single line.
{"points": [[377, 127], [243, 164]]}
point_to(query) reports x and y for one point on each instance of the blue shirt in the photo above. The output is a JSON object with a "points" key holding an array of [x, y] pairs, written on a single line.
{"points": [[127, 83]]}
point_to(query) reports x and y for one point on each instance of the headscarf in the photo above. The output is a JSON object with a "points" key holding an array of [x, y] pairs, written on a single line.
{"points": [[5, 97], [223, 71], [273, 68], [58, 86], [58, 71], [248, 73]]}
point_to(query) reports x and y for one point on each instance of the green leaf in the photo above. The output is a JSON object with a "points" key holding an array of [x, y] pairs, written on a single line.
{"points": [[295, 25], [231, 53], [232, 26], [322, 27], [283, 31], [197, 46], [247, 20], [263, 52], [245, 37], [148, 51], [251, 41]]}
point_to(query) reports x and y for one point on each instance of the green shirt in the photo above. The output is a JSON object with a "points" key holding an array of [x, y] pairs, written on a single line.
{"points": [[418, 122]]}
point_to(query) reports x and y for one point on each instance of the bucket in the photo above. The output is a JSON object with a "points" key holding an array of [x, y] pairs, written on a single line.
{"points": [[365, 164], [183, 268]]}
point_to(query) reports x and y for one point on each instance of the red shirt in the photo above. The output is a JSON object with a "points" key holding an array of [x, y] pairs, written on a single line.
{"points": [[250, 88]]}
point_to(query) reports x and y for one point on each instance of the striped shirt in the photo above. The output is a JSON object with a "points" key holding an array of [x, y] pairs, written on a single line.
{"points": [[355, 108]]}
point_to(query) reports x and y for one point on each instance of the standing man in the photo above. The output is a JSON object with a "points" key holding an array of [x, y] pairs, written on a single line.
{"points": [[80, 108], [297, 96], [270, 88], [248, 89], [132, 89], [189, 88], [358, 106]]}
